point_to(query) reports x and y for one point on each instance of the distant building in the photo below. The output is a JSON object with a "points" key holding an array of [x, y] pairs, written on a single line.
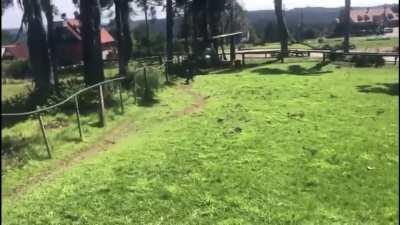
{"points": [[68, 41], [15, 51], [382, 15], [369, 20]]}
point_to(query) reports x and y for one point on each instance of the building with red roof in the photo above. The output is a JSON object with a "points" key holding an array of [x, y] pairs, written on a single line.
{"points": [[16, 51], [375, 15], [372, 20], [68, 41]]}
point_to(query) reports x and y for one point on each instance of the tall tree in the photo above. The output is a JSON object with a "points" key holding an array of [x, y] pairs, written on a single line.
{"points": [[91, 44], [170, 29], [283, 32], [37, 46], [186, 25], [347, 23], [148, 6], [122, 12], [49, 11]]}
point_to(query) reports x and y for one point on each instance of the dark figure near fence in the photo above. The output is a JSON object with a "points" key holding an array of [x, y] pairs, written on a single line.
{"points": [[189, 70]]}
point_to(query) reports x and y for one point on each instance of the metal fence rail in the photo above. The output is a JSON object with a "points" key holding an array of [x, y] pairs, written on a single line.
{"points": [[102, 119]]}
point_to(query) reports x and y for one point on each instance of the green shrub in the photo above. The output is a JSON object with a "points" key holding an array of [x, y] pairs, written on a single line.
{"points": [[368, 61], [336, 57], [17, 69], [327, 47], [146, 82]]}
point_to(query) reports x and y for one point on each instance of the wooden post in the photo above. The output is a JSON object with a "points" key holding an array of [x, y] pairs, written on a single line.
{"points": [[134, 86], [102, 109], [233, 54], [145, 77], [46, 141], [243, 58], [120, 98], [323, 57], [145, 83], [78, 117]]}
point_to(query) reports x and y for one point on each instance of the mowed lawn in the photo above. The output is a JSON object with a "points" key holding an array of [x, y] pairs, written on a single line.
{"points": [[274, 144], [368, 43]]}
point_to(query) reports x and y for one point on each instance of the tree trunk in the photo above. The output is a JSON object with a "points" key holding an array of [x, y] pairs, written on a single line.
{"points": [[91, 44], [170, 24], [186, 28], [346, 42], [195, 46], [38, 47], [147, 31], [127, 40], [119, 33], [283, 33], [204, 25], [50, 39]]}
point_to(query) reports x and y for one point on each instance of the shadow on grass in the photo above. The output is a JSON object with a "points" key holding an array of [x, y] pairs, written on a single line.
{"points": [[294, 70], [231, 69], [380, 88], [148, 103], [15, 149]]}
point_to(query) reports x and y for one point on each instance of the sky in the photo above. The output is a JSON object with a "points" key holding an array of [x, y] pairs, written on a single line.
{"points": [[12, 16]]}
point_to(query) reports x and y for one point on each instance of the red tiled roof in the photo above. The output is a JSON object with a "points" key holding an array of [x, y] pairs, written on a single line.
{"points": [[373, 14], [73, 25], [105, 36], [19, 51]]}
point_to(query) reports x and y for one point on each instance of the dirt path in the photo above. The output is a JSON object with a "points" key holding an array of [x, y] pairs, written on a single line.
{"points": [[197, 105], [103, 143]]}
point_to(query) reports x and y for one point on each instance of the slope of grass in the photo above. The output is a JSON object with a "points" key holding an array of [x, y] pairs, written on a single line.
{"points": [[275, 144], [28, 155]]}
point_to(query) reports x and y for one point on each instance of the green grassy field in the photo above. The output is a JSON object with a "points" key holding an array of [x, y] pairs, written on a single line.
{"points": [[14, 87], [291, 143], [370, 43]]}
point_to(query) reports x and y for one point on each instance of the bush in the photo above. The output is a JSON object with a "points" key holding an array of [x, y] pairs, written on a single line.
{"points": [[146, 83], [336, 57], [327, 47], [368, 61], [18, 69]]}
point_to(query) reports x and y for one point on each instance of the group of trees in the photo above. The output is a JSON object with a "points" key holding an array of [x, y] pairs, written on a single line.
{"points": [[284, 34], [202, 19]]}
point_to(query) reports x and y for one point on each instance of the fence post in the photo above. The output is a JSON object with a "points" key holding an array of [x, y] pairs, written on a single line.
{"points": [[78, 117], [102, 118], [134, 86], [44, 134], [120, 97], [243, 58], [145, 82]]}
